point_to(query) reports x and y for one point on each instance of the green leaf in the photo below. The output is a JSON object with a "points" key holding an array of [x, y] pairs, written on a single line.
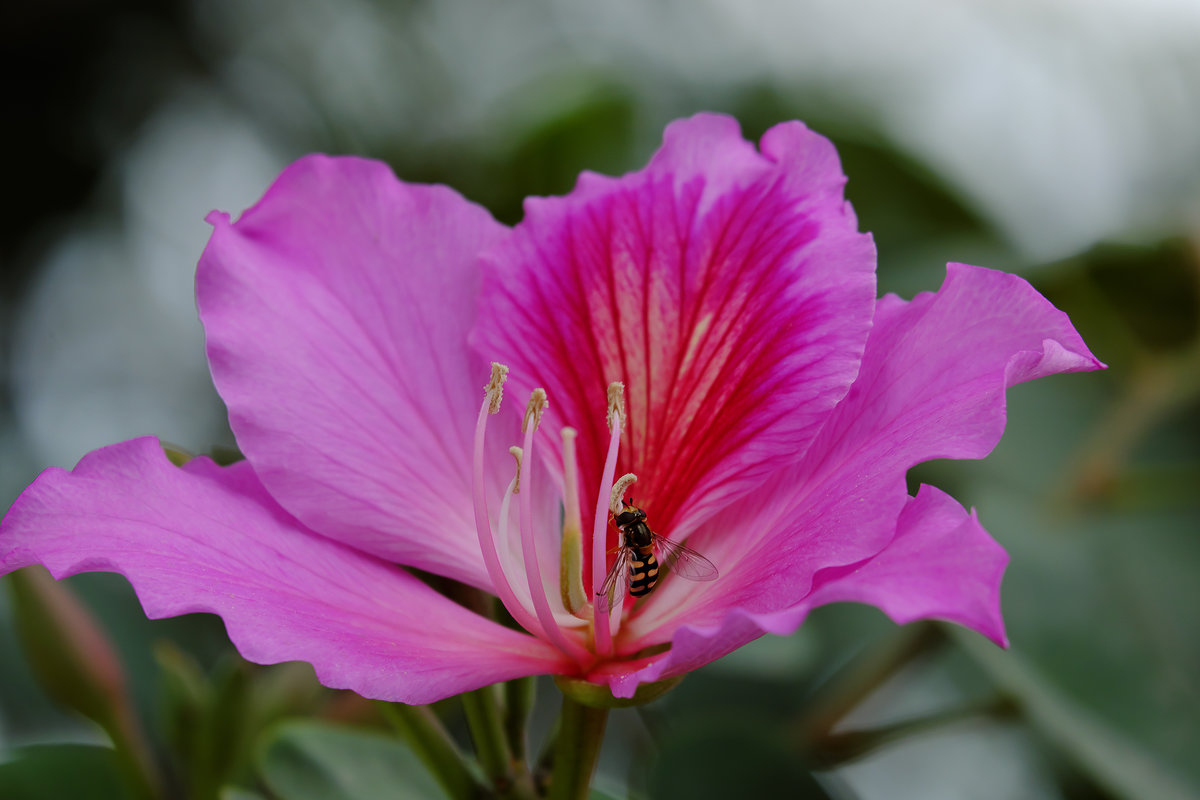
{"points": [[730, 758], [1103, 754], [1153, 288], [238, 793], [315, 761], [80, 772], [211, 719], [1100, 613], [604, 794]]}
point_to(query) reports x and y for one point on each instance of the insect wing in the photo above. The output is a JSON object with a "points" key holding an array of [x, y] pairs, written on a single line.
{"points": [[618, 576], [684, 561]]}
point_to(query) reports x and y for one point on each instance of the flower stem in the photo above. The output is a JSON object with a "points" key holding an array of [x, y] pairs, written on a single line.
{"points": [[863, 675], [841, 748], [424, 732], [580, 734], [487, 731], [518, 705]]}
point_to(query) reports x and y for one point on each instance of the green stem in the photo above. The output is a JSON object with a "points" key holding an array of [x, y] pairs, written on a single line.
{"points": [[544, 766], [518, 705], [487, 731], [840, 748], [864, 674], [580, 734], [134, 756], [424, 732], [1160, 385]]}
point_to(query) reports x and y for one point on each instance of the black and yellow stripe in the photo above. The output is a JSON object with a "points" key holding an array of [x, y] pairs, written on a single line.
{"points": [[643, 572]]}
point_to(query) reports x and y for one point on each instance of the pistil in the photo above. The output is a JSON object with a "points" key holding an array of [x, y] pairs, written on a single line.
{"points": [[570, 575]]}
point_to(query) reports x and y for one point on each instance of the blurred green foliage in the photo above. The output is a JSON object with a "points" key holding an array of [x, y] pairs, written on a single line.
{"points": [[79, 771], [313, 761]]}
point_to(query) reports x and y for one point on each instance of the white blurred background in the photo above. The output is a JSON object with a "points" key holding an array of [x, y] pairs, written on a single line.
{"points": [[1061, 123]]}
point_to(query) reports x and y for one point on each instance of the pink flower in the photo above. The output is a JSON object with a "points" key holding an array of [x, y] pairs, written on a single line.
{"points": [[772, 407]]}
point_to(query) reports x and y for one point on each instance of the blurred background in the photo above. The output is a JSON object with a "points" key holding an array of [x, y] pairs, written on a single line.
{"points": [[1054, 138]]}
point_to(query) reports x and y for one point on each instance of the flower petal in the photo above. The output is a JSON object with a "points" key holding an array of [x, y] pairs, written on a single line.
{"points": [[336, 313], [942, 564], [729, 290], [207, 539], [931, 386]]}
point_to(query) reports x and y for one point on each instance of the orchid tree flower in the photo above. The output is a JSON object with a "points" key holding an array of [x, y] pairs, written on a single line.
{"points": [[703, 334]]}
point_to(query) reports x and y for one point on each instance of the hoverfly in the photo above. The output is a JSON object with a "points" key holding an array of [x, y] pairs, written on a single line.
{"points": [[637, 567]]}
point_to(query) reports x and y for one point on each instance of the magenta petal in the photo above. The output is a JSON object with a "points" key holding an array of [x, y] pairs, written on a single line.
{"points": [[336, 313], [936, 368], [942, 564], [206, 539], [728, 289], [931, 386]]}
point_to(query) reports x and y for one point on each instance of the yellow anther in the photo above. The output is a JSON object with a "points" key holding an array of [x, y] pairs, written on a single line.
{"points": [[537, 405], [495, 387], [516, 453], [616, 403], [616, 503]]}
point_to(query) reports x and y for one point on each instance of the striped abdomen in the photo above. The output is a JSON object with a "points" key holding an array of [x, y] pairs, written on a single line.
{"points": [[643, 571]]}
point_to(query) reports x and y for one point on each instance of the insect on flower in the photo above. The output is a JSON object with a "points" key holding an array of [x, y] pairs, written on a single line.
{"points": [[637, 566]]}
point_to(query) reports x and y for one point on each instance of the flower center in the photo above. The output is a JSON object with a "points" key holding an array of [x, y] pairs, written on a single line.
{"points": [[565, 617]]}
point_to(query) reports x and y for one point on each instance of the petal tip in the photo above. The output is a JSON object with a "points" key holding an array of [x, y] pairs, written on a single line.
{"points": [[704, 122]]}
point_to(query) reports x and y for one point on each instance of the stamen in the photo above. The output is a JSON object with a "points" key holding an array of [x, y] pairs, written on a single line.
{"points": [[535, 409], [483, 528], [616, 502], [616, 403], [494, 390], [533, 567], [515, 452], [616, 418], [570, 572]]}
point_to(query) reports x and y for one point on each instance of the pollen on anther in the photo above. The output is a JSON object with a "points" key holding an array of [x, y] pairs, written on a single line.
{"points": [[616, 501], [537, 405], [616, 403], [495, 387]]}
